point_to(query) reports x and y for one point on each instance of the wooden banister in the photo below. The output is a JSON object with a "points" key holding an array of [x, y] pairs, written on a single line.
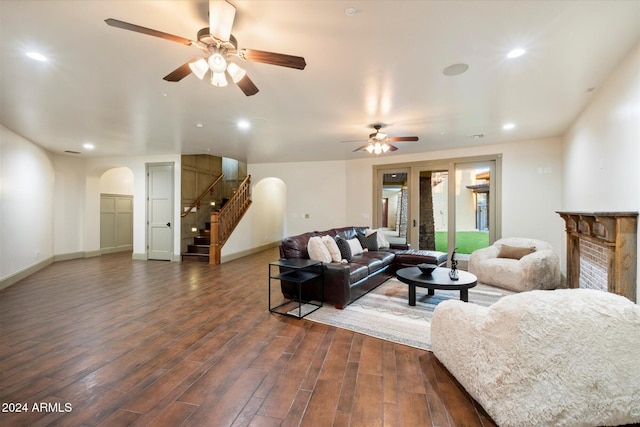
{"points": [[227, 218], [202, 196]]}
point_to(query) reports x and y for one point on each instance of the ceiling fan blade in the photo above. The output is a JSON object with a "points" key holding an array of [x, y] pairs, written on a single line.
{"points": [[221, 16], [247, 86], [148, 31], [402, 138], [361, 148], [179, 73], [392, 147], [280, 59]]}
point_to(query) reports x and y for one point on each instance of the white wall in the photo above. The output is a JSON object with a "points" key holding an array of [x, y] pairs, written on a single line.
{"points": [[602, 147], [529, 198], [264, 223], [137, 165], [26, 200], [340, 193], [316, 189], [69, 205], [117, 181]]}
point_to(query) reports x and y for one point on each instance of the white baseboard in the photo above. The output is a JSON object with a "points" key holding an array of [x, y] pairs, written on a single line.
{"points": [[25, 272], [231, 257]]}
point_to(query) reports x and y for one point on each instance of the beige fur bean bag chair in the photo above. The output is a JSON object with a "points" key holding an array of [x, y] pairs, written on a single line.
{"points": [[517, 264], [567, 357]]}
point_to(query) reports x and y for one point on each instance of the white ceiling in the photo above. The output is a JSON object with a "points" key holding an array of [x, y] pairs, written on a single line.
{"points": [[383, 64]]}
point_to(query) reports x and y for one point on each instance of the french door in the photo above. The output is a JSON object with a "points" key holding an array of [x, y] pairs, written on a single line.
{"points": [[451, 204]]}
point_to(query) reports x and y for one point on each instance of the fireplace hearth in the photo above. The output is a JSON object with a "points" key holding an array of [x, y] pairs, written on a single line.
{"points": [[602, 251]]}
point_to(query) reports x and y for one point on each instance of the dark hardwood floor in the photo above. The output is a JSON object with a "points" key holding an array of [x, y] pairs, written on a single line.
{"points": [[108, 341]]}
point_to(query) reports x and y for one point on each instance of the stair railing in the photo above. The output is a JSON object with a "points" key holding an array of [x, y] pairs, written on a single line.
{"points": [[224, 221], [196, 204]]}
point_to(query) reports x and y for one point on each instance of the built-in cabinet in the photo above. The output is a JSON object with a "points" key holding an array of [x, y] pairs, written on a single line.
{"points": [[116, 223]]}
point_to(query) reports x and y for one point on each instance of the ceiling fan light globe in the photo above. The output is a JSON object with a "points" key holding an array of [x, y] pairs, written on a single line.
{"points": [[217, 63], [377, 148], [218, 80], [385, 148], [199, 68], [369, 148], [236, 72]]}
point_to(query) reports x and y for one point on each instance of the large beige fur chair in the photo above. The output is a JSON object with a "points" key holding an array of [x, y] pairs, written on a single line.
{"points": [[567, 357], [518, 264]]}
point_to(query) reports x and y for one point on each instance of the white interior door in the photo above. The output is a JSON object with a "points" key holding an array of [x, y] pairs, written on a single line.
{"points": [[160, 211]]}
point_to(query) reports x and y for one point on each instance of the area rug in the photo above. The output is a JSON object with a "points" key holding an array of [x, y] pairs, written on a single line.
{"points": [[385, 313]]}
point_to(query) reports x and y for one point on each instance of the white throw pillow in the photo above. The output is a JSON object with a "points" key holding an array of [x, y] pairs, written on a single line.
{"points": [[333, 248], [318, 250], [356, 247], [383, 243]]}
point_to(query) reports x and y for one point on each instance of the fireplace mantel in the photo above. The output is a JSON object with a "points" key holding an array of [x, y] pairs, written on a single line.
{"points": [[616, 232]]}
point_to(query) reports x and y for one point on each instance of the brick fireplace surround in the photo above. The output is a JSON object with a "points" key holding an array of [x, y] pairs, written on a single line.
{"points": [[602, 251]]}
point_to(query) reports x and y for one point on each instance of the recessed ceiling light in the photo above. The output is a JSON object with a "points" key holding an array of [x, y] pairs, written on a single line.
{"points": [[508, 126], [455, 69], [350, 11], [199, 125], [516, 53], [37, 56], [243, 124], [88, 146]]}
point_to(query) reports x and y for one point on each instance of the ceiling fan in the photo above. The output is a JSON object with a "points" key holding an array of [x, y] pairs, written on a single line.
{"points": [[219, 45], [379, 142]]}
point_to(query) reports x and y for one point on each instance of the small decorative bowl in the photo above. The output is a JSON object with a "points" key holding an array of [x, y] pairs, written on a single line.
{"points": [[427, 268]]}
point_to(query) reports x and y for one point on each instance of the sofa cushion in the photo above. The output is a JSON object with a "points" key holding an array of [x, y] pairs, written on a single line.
{"points": [[332, 247], [383, 243], [415, 257], [357, 272], [345, 249], [318, 250], [296, 246], [515, 252], [369, 241], [345, 232], [355, 246], [566, 357]]}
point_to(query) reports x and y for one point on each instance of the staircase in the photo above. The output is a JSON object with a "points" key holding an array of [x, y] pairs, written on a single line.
{"points": [[207, 245], [199, 250]]}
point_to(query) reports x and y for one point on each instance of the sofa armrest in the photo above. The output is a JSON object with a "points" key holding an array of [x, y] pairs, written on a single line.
{"points": [[336, 284], [541, 270]]}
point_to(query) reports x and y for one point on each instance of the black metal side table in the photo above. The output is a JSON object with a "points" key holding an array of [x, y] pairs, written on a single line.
{"points": [[300, 272]]}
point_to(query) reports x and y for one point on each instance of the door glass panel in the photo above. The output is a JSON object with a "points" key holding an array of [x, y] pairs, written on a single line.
{"points": [[472, 207], [433, 210], [394, 213]]}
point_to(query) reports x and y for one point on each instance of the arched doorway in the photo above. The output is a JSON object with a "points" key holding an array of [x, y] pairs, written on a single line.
{"points": [[116, 210]]}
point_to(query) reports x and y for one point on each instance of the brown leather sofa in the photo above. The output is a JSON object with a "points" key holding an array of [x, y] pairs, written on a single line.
{"points": [[344, 283]]}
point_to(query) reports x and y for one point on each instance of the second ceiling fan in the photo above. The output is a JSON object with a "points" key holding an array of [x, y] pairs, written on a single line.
{"points": [[219, 45], [379, 142]]}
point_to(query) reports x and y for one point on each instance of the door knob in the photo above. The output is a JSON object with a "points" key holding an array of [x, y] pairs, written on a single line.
{"points": [[168, 224]]}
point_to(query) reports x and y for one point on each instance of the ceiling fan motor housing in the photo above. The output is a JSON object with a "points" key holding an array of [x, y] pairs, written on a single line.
{"points": [[205, 37]]}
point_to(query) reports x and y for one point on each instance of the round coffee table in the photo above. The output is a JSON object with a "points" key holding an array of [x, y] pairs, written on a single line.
{"points": [[439, 279]]}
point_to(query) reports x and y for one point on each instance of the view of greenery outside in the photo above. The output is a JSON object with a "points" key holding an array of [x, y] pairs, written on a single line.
{"points": [[466, 241]]}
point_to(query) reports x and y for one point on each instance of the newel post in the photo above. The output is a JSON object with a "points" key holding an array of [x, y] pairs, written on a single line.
{"points": [[214, 248]]}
